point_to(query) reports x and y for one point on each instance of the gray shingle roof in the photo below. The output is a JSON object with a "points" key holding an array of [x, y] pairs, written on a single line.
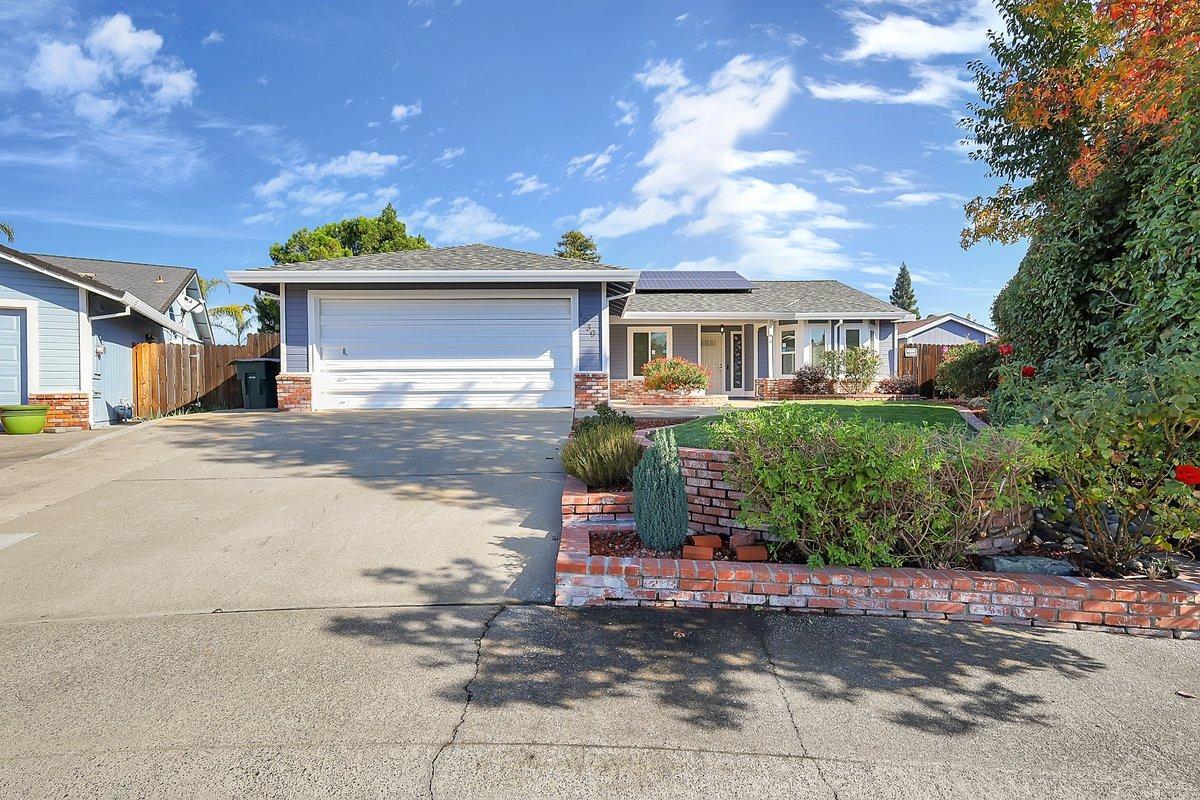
{"points": [[767, 297], [462, 257], [140, 280], [912, 325]]}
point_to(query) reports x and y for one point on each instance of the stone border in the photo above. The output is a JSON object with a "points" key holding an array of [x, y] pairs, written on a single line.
{"points": [[1162, 608]]}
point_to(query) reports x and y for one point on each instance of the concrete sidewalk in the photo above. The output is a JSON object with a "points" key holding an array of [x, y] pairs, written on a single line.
{"points": [[534, 702]]}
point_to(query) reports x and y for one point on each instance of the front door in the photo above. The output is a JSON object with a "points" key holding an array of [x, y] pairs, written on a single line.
{"points": [[712, 355]]}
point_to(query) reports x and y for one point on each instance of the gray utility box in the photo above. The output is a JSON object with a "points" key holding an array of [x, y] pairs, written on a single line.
{"points": [[256, 376]]}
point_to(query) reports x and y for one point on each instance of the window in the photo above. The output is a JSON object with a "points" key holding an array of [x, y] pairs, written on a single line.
{"points": [[853, 338], [787, 344], [816, 338], [648, 344]]}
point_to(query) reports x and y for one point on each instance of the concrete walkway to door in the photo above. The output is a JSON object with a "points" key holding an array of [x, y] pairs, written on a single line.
{"points": [[266, 510]]}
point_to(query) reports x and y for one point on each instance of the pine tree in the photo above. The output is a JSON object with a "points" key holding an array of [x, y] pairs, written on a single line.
{"points": [[659, 498], [577, 245], [902, 292]]}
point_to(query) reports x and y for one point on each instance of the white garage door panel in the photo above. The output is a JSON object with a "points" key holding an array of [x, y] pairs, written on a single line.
{"points": [[444, 352]]}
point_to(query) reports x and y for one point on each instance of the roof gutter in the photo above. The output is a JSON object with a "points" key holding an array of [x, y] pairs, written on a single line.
{"points": [[760, 315], [250, 277]]}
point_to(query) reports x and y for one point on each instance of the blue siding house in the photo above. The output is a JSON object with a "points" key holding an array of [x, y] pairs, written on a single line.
{"points": [[948, 329], [68, 326]]}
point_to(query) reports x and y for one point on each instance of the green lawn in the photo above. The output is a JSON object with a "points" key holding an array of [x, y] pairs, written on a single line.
{"points": [[695, 433]]}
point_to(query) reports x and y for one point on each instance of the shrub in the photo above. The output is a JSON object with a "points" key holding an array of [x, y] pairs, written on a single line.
{"points": [[969, 370], [860, 368], [811, 380], [860, 492], [1116, 446], [605, 415], [901, 384], [659, 498], [675, 375], [601, 456]]}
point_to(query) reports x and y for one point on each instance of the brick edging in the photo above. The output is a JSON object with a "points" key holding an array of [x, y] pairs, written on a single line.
{"points": [[69, 411], [1139, 607]]}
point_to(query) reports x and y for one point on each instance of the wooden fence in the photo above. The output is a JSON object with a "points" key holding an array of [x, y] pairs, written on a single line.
{"points": [[168, 377], [924, 365]]}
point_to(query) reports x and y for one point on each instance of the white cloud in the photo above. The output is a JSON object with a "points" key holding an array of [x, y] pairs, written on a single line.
{"points": [[123, 60], [213, 37], [877, 287], [592, 164], [63, 68], [936, 86], [264, 218], [696, 172], [449, 154], [526, 184], [401, 112], [464, 220], [852, 180], [682, 17], [117, 39], [96, 110], [629, 112], [912, 199], [354, 164], [792, 39], [914, 38]]}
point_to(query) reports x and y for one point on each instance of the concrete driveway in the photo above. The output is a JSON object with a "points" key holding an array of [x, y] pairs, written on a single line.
{"points": [[377, 639], [251, 511]]}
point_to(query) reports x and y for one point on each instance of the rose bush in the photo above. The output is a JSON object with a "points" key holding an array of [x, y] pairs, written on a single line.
{"points": [[675, 375]]}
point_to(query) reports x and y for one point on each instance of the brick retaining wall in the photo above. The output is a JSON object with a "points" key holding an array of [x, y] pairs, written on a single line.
{"points": [[591, 389], [69, 411], [580, 505], [635, 393], [294, 391], [784, 389]]}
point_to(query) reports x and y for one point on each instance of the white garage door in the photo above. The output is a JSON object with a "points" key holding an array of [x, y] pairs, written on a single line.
{"points": [[477, 350]]}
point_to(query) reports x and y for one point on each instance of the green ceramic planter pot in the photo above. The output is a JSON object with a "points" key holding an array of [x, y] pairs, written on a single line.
{"points": [[23, 419]]}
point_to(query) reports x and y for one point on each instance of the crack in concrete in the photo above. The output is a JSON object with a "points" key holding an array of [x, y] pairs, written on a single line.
{"points": [[787, 704], [469, 691]]}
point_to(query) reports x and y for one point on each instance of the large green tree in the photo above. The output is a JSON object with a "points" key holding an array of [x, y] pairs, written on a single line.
{"points": [[348, 237], [577, 245], [1090, 116], [903, 295]]}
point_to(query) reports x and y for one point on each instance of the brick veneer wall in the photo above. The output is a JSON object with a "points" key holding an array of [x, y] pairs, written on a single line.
{"points": [[591, 389], [581, 506], [69, 411], [1141, 607], [635, 393], [294, 391]]}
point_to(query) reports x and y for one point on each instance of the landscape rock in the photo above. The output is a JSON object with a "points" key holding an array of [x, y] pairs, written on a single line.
{"points": [[1031, 565]]}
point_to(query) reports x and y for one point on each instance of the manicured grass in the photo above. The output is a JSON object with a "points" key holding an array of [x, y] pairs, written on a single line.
{"points": [[695, 433]]}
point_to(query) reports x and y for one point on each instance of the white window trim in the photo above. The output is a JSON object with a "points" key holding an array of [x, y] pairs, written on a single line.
{"points": [[32, 366], [283, 365], [629, 332], [86, 349], [797, 353], [867, 328]]}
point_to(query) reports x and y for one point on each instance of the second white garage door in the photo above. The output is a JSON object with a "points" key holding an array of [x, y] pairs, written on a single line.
{"points": [[458, 350]]}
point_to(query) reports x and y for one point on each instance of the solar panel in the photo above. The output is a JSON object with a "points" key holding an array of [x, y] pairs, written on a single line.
{"points": [[692, 281]]}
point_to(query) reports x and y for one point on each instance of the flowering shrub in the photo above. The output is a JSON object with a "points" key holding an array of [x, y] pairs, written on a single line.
{"points": [[675, 375], [602, 456], [901, 384], [1028, 371], [1124, 450], [811, 380], [859, 492], [854, 368]]}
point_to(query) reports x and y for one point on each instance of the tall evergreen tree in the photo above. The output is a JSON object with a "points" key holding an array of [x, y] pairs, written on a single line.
{"points": [[577, 245], [902, 292]]}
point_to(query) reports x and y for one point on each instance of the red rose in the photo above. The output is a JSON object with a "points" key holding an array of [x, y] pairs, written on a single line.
{"points": [[1188, 473], [1006, 349], [1028, 371]]}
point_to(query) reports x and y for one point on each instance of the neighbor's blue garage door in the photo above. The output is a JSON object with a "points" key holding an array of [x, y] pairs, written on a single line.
{"points": [[12, 357]]}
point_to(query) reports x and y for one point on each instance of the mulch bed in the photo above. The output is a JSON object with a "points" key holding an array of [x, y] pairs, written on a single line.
{"points": [[625, 543], [643, 423]]}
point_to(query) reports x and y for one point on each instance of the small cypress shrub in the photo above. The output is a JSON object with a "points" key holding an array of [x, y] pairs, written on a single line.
{"points": [[602, 456], [659, 498]]}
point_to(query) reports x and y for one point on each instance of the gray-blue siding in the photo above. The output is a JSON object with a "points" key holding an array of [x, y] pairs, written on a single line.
{"points": [[14, 375], [58, 324], [950, 331], [295, 335], [685, 343], [112, 372]]}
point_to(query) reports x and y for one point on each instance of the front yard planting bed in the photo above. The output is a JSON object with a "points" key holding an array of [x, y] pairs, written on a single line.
{"points": [[696, 432], [1163, 608]]}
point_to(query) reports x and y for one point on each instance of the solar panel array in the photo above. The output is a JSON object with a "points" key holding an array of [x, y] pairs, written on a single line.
{"points": [[692, 281]]}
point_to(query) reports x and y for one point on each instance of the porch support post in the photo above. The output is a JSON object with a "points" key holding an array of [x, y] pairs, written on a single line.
{"points": [[770, 349]]}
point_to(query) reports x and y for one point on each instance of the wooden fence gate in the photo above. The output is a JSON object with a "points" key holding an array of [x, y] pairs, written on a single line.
{"points": [[168, 377], [923, 364]]}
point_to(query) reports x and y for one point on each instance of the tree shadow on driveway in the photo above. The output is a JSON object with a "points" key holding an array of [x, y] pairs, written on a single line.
{"points": [[704, 667]]}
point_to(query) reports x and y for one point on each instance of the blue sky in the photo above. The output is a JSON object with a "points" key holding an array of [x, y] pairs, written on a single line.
{"points": [[796, 139]]}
